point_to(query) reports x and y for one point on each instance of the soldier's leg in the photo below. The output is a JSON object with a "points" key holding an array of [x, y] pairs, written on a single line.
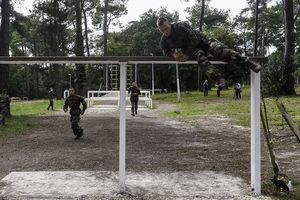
{"points": [[226, 54], [211, 71], [8, 109], [1, 119], [3, 113], [77, 130], [136, 106], [51, 104], [132, 106]]}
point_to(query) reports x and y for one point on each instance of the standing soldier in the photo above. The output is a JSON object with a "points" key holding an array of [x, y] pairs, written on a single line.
{"points": [[73, 101], [218, 87], [180, 42], [205, 88], [134, 92], [51, 97], [237, 91], [4, 106]]}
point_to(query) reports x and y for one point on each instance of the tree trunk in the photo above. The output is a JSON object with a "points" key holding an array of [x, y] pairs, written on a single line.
{"points": [[79, 50], [288, 87], [200, 75], [89, 71], [56, 52], [201, 18], [85, 29], [4, 43], [36, 81], [256, 28], [105, 31]]}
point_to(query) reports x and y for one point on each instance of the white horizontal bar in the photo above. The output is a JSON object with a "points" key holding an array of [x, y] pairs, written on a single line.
{"points": [[101, 62], [173, 62], [57, 62]]}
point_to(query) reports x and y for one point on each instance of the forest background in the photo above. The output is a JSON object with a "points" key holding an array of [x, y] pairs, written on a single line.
{"points": [[83, 28]]}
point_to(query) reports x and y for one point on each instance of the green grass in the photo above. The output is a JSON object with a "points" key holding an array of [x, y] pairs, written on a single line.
{"points": [[193, 104], [23, 114], [269, 189]]}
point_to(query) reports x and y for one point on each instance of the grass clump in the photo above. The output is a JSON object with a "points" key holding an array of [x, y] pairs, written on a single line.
{"points": [[23, 115], [193, 104]]}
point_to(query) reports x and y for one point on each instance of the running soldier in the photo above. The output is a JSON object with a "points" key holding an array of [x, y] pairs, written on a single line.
{"points": [[73, 101], [180, 42], [134, 92]]}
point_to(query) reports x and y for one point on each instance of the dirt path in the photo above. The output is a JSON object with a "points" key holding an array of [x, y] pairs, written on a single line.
{"points": [[210, 151]]}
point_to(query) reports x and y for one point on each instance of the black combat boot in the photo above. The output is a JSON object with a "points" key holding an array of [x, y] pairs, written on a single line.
{"points": [[254, 66], [79, 134]]}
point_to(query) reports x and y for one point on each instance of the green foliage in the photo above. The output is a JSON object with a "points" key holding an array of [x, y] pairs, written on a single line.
{"points": [[51, 30], [270, 27], [226, 36], [116, 8], [269, 189], [116, 46], [272, 75], [143, 35], [213, 18]]}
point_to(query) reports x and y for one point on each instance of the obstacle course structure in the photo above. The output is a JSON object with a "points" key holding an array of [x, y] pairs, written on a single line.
{"points": [[123, 61]]}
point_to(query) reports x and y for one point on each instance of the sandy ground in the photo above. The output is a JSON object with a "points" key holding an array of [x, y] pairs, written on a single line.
{"points": [[206, 158]]}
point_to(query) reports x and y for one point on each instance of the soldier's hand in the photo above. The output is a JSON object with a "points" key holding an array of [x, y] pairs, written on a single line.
{"points": [[203, 60], [65, 109], [180, 57], [82, 112]]}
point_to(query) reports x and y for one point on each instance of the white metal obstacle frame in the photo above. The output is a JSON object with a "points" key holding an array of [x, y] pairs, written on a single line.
{"points": [[123, 61], [114, 95]]}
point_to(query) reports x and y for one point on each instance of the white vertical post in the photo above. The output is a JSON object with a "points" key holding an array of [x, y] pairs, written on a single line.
{"points": [[135, 73], [152, 69], [255, 134], [178, 83], [122, 128], [106, 77]]}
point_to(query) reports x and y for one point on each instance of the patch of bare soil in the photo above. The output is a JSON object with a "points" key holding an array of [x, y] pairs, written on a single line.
{"points": [[211, 152]]}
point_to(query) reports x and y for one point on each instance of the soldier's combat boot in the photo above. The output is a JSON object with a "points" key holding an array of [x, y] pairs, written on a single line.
{"points": [[79, 134], [254, 66]]}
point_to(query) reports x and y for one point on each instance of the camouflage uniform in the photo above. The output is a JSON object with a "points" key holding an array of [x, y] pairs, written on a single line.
{"points": [[74, 103], [4, 106], [51, 97], [134, 98], [198, 47]]}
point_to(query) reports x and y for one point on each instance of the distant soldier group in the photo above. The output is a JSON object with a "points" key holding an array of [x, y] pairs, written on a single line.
{"points": [[4, 106]]}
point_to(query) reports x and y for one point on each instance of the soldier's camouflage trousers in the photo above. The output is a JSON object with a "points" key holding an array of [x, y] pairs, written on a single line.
{"points": [[75, 118], [221, 52], [134, 104], [3, 113]]}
